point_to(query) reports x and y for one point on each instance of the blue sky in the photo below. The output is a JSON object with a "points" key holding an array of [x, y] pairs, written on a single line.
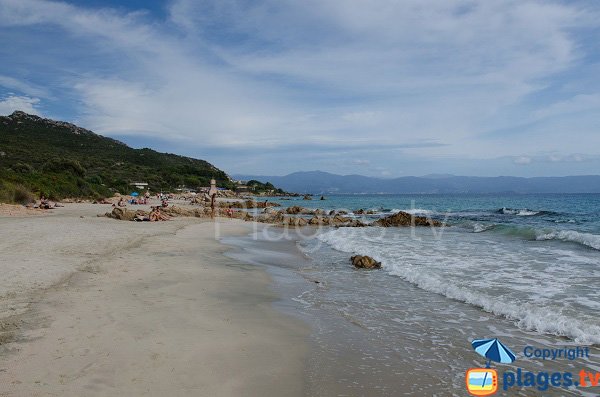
{"points": [[386, 88]]}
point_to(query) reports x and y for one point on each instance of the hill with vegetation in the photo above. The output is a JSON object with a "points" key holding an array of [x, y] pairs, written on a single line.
{"points": [[58, 160]]}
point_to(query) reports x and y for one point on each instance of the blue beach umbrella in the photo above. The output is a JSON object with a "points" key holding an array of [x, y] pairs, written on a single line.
{"points": [[134, 194], [493, 350]]}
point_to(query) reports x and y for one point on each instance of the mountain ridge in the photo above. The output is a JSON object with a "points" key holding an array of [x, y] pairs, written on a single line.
{"points": [[320, 182]]}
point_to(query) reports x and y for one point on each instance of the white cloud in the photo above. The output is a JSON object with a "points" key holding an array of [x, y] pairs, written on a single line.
{"points": [[361, 162], [522, 160], [23, 103], [22, 86], [575, 104], [235, 74]]}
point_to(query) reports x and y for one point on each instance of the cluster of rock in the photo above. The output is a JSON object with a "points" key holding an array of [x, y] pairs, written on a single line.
{"points": [[285, 218], [248, 204], [125, 214], [295, 216], [406, 219]]}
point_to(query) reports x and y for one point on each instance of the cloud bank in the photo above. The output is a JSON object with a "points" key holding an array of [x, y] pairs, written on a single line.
{"points": [[391, 88]]}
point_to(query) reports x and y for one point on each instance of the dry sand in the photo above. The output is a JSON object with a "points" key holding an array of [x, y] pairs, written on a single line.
{"points": [[97, 307]]}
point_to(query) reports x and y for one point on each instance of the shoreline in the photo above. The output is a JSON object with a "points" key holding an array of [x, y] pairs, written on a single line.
{"points": [[376, 334], [168, 315]]}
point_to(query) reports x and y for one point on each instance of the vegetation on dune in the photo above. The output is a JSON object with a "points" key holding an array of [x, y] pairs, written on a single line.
{"points": [[59, 160], [259, 187]]}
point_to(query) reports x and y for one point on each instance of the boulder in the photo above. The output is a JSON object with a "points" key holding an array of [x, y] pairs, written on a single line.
{"points": [[300, 222], [296, 209], [307, 197], [355, 223], [178, 211], [406, 219], [123, 214], [365, 262], [316, 220]]}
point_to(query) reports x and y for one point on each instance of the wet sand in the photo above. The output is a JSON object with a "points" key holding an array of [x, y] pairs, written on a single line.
{"points": [[98, 307]]}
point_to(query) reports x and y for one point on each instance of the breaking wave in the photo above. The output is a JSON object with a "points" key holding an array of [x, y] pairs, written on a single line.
{"points": [[523, 212], [526, 315], [586, 239]]}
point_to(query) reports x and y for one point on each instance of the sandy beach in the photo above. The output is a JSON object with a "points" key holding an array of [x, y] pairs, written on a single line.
{"points": [[97, 307]]}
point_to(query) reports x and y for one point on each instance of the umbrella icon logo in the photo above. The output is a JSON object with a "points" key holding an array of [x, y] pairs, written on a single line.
{"points": [[484, 381]]}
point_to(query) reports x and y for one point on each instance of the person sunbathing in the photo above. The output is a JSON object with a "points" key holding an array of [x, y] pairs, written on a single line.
{"points": [[156, 215], [45, 204]]}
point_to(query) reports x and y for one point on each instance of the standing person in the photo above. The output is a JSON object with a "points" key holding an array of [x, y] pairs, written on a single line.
{"points": [[213, 195]]}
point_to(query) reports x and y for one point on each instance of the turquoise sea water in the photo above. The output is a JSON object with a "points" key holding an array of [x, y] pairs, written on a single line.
{"points": [[524, 268], [532, 258]]}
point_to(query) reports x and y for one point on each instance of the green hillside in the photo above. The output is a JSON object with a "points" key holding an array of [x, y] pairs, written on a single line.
{"points": [[61, 160]]}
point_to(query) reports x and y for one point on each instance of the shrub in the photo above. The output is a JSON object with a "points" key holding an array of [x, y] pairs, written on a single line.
{"points": [[17, 194], [22, 168], [22, 195], [61, 164]]}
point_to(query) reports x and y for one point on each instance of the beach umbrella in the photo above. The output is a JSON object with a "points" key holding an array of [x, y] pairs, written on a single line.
{"points": [[493, 350], [134, 194]]}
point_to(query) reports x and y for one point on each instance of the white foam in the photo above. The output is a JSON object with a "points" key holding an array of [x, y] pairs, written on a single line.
{"points": [[479, 227], [444, 274], [587, 239], [518, 212], [527, 213], [413, 211]]}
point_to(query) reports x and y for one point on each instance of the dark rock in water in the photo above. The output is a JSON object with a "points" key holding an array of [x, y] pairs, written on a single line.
{"points": [[307, 197], [365, 262], [406, 219], [359, 212], [322, 197]]}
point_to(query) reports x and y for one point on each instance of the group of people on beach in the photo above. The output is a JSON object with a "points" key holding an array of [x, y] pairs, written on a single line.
{"points": [[140, 201], [44, 204]]}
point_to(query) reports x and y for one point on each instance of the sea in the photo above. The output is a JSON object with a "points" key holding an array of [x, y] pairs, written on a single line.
{"points": [[521, 268]]}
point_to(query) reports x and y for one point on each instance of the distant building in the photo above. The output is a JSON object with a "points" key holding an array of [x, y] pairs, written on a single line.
{"points": [[241, 187], [139, 185]]}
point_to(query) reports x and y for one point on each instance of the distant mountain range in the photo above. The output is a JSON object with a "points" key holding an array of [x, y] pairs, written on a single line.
{"points": [[318, 182]]}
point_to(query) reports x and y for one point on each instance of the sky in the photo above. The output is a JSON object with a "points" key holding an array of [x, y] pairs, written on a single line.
{"points": [[383, 88]]}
